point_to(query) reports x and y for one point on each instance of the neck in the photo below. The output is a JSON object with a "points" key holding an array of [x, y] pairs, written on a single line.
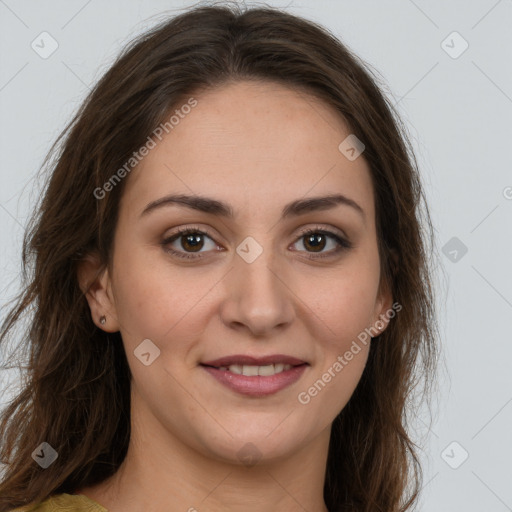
{"points": [[179, 478]]}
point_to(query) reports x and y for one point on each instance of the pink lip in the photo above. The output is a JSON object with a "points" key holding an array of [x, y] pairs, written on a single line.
{"points": [[255, 361], [257, 385]]}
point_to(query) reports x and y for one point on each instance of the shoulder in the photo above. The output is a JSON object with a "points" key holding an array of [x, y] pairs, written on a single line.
{"points": [[63, 503]]}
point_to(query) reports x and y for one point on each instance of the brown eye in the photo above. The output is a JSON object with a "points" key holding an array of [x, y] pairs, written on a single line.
{"points": [[316, 240], [187, 242], [191, 242]]}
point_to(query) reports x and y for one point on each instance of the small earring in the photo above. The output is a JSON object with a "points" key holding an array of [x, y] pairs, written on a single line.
{"points": [[103, 320]]}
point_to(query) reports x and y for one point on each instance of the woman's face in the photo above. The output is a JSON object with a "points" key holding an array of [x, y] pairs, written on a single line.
{"points": [[254, 286]]}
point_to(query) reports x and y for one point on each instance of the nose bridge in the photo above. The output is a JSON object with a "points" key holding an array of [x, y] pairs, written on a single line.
{"points": [[254, 267], [256, 293]]}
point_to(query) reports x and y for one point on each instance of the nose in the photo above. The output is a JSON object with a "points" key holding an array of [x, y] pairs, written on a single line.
{"points": [[257, 297]]}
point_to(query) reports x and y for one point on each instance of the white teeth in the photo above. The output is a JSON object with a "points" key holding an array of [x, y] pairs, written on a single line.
{"points": [[236, 368], [266, 370], [251, 371]]}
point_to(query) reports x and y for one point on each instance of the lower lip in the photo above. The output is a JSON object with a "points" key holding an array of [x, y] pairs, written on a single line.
{"points": [[257, 385]]}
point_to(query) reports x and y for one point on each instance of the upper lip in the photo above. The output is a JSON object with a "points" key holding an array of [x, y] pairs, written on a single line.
{"points": [[254, 361]]}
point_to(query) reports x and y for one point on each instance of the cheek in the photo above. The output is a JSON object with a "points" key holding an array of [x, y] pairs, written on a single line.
{"points": [[338, 312], [341, 304], [342, 349], [154, 299]]}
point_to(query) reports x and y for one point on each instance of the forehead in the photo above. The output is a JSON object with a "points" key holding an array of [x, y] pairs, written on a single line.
{"points": [[256, 145]]}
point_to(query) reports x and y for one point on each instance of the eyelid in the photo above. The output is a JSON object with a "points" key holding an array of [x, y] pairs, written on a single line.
{"points": [[338, 235], [181, 231], [192, 228], [323, 227], [211, 234]]}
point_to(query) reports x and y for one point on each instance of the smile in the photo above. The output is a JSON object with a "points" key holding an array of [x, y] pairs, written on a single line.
{"points": [[253, 379], [251, 371]]}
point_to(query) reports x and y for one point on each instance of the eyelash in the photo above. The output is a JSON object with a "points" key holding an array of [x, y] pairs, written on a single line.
{"points": [[343, 244]]}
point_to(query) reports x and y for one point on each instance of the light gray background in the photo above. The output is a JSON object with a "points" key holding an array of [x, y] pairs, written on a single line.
{"points": [[458, 111]]}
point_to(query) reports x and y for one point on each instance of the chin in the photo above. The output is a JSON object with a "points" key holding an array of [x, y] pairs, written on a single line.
{"points": [[254, 442]]}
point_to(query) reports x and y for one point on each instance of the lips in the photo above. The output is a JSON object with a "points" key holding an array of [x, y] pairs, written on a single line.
{"points": [[256, 376], [240, 359]]}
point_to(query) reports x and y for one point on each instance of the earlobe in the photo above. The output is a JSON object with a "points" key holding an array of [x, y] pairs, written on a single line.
{"points": [[94, 281]]}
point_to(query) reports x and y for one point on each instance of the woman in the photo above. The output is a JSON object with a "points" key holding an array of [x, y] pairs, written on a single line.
{"points": [[231, 285]]}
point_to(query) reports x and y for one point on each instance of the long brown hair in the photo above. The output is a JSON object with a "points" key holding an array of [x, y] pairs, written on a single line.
{"points": [[75, 393]]}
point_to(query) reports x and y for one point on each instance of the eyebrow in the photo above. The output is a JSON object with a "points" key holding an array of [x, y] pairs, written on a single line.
{"points": [[220, 209]]}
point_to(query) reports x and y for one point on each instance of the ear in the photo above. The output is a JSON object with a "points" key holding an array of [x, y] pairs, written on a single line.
{"points": [[384, 307], [94, 281]]}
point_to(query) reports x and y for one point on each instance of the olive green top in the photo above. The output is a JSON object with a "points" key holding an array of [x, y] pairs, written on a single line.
{"points": [[64, 503]]}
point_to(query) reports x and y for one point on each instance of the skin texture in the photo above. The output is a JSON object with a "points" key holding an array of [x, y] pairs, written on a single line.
{"points": [[256, 146]]}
